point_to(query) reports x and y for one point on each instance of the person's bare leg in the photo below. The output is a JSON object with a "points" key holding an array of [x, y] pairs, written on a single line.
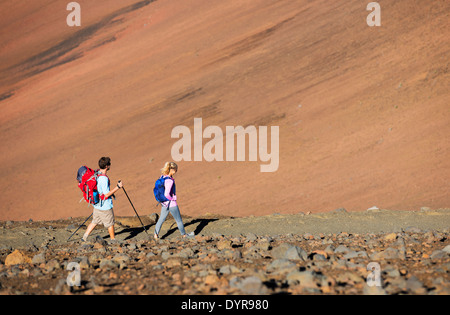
{"points": [[89, 230], [111, 232]]}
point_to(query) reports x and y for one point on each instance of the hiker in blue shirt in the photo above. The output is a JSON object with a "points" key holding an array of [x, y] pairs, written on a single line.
{"points": [[103, 211]]}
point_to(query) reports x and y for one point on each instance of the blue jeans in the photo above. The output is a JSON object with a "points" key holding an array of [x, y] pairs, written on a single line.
{"points": [[175, 211]]}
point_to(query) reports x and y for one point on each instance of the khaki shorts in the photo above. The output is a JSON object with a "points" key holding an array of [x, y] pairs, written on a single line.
{"points": [[105, 217]]}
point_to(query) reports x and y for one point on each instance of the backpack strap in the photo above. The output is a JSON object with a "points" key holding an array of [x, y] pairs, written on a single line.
{"points": [[102, 196]]}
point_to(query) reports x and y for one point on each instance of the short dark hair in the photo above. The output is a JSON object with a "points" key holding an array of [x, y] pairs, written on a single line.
{"points": [[104, 162]]}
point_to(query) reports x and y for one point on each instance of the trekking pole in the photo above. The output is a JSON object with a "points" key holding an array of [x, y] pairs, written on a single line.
{"points": [[80, 226], [134, 209]]}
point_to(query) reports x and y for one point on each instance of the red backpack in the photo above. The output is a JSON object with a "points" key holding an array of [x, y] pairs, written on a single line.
{"points": [[87, 182]]}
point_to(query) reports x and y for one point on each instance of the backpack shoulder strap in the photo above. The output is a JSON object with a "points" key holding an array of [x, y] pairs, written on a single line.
{"points": [[98, 175]]}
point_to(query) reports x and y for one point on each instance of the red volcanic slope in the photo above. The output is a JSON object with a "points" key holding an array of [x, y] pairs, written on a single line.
{"points": [[363, 112]]}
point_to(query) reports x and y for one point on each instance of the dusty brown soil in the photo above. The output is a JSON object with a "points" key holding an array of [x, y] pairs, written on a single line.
{"points": [[363, 111]]}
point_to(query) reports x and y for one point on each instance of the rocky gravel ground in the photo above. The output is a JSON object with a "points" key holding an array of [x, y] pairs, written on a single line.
{"points": [[225, 259]]}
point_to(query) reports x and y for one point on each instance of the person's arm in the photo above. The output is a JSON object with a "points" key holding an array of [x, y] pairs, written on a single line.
{"points": [[168, 183], [112, 191]]}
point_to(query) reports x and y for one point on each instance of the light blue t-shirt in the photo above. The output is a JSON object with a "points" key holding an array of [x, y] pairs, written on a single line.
{"points": [[103, 189]]}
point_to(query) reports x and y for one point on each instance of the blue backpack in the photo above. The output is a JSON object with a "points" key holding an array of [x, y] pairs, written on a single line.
{"points": [[159, 189]]}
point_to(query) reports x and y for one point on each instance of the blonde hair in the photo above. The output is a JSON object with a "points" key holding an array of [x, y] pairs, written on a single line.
{"points": [[167, 167]]}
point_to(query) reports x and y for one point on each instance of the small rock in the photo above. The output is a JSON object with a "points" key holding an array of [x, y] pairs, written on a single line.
{"points": [[391, 271], [391, 237], [132, 246], [62, 287], [319, 257], [287, 251], [173, 262], [17, 258], [185, 253], [108, 264], [95, 258], [415, 285], [250, 285], [121, 259], [251, 237], [342, 249], [330, 249], [322, 253], [224, 244], [211, 280], [165, 255], [263, 245], [52, 265], [84, 262], [305, 278], [353, 254], [447, 249], [348, 277], [229, 269], [235, 254], [38, 259], [439, 254], [308, 236], [389, 253], [296, 253], [280, 266], [99, 240]]}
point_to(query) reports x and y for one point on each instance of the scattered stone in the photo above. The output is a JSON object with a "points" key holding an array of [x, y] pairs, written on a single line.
{"points": [[305, 278], [52, 265], [17, 257], [108, 264], [447, 249], [99, 240], [250, 285], [224, 244], [38, 259], [388, 254], [263, 245], [342, 249], [415, 286], [412, 261], [354, 254], [439, 254], [391, 237], [287, 251], [229, 269], [281, 266], [251, 237]]}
